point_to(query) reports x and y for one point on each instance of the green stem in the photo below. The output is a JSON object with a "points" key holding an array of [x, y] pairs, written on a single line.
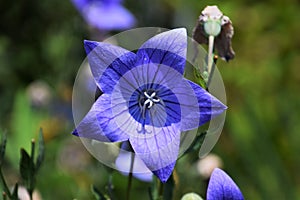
{"points": [[130, 177], [210, 59], [161, 190], [210, 53], [150, 193], [212, 70]]}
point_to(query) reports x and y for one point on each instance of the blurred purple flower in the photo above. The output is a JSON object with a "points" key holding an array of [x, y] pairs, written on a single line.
{"points": [[146, 100], [105, 14], [222, 187]]}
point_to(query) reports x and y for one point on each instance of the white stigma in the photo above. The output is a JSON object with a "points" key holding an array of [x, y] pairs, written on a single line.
{"points": [[149, 103], [150, 99]]}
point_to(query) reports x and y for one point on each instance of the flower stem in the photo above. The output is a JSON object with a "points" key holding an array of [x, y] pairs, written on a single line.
{"points": [[161, 190], [210, 54], [212, 70], [130, 177], [210, 60]]}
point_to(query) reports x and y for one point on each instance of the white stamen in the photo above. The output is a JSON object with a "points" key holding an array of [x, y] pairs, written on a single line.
{"points": [[151, 99]]}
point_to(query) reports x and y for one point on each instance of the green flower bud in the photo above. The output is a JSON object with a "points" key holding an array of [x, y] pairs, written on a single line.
{"points": [[212, 27], [191, 196]]}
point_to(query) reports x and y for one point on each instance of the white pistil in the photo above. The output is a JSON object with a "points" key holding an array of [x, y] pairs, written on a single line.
{"points": [[149, 102], [150, 99]]}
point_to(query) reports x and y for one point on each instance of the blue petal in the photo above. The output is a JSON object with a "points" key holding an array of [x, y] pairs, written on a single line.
{"points": [[209, 106], [168, 48], [108, 63], [197, 105], [164, 173], [99, 123], [91, 45], [222, 187], [105, 15], [158, 149]]}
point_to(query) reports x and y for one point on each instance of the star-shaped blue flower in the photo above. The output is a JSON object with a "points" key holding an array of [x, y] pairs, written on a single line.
{"points": [[146, 100], [105, 14], [222, 187]]}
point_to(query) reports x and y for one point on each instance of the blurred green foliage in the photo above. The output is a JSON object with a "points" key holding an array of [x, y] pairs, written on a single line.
{"points": [[42, 40]]}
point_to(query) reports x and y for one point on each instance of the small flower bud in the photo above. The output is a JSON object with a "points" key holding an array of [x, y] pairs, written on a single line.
{"points": [[212, 27], [212, 22], [191, 196]]}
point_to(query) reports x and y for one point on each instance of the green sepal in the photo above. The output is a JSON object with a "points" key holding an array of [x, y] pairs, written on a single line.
{"points": [[27, 170]]}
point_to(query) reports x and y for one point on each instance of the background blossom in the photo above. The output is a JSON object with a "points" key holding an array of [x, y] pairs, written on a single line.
{"points": [[105, 14]]}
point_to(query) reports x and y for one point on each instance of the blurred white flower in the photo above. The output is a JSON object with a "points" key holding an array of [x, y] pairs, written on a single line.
{"points": [[206, 165], [39, 93], [23, 194]]}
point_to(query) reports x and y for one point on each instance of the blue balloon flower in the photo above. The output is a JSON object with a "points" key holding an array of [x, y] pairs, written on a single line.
{"points": [[105, 14], [222, 187], [146, 100]]}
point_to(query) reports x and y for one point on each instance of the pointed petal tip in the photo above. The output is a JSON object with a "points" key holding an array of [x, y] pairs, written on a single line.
{"points": [[221, 185], [75, 132], [218, 104], [89, 45], [180, 31], [164, 173], [161, 177], [217, 171], [224, 107]]}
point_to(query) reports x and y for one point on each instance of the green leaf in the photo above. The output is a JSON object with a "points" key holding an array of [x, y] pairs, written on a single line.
{"points": [[97, 194], [41, 153], [199, 78], [27, 170], [2, 147]]}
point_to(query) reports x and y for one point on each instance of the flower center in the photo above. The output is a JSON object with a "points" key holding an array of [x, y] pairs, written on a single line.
{"points": [[148, 100]]}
